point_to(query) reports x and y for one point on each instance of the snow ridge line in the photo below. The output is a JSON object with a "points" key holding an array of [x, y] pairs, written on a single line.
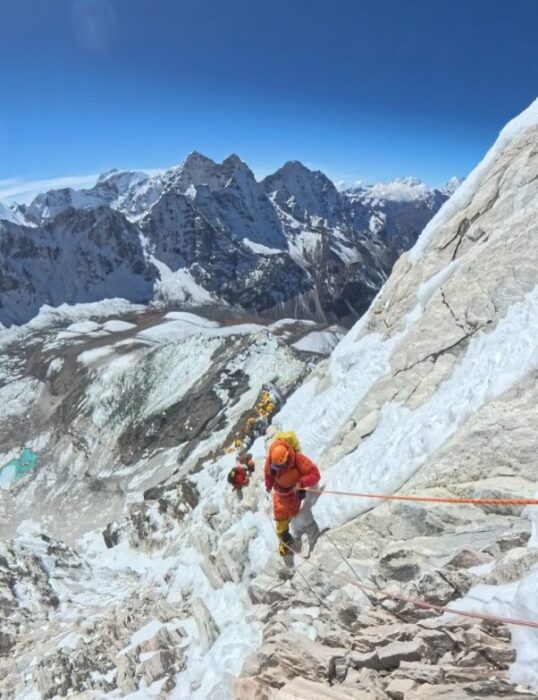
{"points": [[434, 499], [417, 602]]}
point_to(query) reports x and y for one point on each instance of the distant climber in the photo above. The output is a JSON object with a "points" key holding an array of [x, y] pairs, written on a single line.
{"points": [[239, 476], [248, 462], [288, 473]]}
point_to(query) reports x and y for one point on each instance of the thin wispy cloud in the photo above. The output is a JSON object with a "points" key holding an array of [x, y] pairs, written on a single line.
{"points": [[24, 191]]}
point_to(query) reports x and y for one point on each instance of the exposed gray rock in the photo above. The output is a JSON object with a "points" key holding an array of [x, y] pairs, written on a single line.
{"points": [[369, 659], [7, 640], [289, 655], [111, 534], [391, 655], [515, 564], [159, 664], [398, 688], [248, 688], [400, 565], [467, 558], [126, 673], [310, 690], [213, 575], [265, 589], [419, 672], [167, 612], [207, 627], [232, 554]]}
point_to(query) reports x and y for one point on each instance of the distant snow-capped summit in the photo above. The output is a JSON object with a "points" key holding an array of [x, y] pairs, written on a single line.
{"points": [[124, 190], [290, 244], [307, 195], [451, 185], [10, 214], [401, 189]]}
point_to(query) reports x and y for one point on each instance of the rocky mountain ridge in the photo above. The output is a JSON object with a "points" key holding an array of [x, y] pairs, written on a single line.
{"points": [[206, 232]]}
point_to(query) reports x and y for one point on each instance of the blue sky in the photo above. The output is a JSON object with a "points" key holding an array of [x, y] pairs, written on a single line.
{"points": [[362, 89]]}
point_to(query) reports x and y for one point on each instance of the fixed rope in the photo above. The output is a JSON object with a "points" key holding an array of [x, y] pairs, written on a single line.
{"points": [[432, 499], [417, 602]]}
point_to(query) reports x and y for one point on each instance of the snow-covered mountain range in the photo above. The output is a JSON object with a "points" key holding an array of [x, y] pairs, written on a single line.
{"points": [[128, 567], [207, 233]]}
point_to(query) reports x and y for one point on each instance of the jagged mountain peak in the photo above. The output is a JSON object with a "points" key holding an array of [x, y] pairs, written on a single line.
{"points": [[198, 170], [295, 170], [400, 189], [7, 213], [106, 174], [451, 185], [307, 195], [197, 158], [233, 160], [297, 166], [121, 179]]}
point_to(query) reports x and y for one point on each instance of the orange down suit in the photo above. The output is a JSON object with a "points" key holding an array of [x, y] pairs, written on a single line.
{"points": [[299, 472]]}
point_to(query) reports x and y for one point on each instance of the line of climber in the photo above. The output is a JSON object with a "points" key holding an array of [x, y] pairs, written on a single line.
{"points": [[294, 479], [287, 474]]}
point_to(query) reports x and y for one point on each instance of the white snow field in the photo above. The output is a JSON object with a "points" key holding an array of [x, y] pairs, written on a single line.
{"points": [[321, 342]]}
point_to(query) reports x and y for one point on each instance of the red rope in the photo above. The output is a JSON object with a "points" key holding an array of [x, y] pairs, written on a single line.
{"points": [[418, 602], [434, 499]]}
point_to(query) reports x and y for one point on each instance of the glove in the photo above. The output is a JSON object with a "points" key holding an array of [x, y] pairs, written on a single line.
{"points": [[301, 493]]}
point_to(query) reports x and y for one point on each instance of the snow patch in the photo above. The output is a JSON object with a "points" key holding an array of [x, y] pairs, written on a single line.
{"points": [[320, 342], [179, 286], [93, 356], [117, 326], [260, 249], [427, 289]]}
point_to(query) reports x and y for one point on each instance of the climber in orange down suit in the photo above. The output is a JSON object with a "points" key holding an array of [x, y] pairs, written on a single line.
{"points": [[287, 474]]}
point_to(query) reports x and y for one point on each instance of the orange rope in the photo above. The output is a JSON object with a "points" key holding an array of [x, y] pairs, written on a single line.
{"points": [[418, 602], [435, 499]]}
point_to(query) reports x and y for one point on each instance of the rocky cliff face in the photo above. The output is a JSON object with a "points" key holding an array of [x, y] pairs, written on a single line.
{"points": [[182, 594], [441, 400], [79, 256], [209, 232]]}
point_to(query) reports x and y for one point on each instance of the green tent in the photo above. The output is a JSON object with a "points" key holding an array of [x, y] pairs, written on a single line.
{"points": [[19, 467]]}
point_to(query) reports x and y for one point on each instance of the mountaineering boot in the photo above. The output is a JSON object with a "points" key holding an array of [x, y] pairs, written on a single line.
{"points": [[284, 536], [286, 542]]}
